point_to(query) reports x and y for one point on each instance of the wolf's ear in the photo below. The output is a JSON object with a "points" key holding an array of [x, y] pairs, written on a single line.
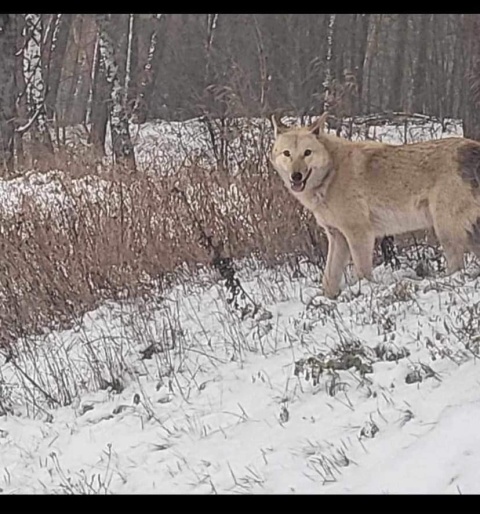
{"points": [[278, 126], [318, 125]]}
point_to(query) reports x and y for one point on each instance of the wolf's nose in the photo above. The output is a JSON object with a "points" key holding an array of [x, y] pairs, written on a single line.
{"points": [[296, 177]]}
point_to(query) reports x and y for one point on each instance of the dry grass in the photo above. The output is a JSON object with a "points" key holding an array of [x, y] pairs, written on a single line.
{"points": [[136, 233]]}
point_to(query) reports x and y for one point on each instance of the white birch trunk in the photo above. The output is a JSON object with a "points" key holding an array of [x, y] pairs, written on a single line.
{"points": [[140, 105], [88, 117], [327, 83], [35, 85], [121, 141], [128, 66], [212, 20]]}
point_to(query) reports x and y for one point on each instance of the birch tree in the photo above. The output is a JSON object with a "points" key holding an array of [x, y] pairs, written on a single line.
{"points": [[131, 56], [121, 141], [35, 86], [327, 83], [211, 21], [7, 90]]}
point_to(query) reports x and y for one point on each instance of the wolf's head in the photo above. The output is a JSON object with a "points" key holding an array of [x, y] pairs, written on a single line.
{"points": [[299, 156]]}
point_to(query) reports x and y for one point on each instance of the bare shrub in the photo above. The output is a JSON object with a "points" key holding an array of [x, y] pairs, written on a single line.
{"points": [[120, 235]]}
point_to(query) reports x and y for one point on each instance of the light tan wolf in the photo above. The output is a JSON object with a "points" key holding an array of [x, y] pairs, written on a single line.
{"points": [[361, 190]]}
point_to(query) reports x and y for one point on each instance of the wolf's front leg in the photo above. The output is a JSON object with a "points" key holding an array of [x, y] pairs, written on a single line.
{"points": [[361, 243], [337, 258]]}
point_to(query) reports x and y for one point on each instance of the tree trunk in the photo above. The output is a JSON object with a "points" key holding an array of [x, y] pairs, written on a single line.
{"points": [[371, 48], [35, 87], [7, 91], [150, 70], [57, 55], [420, 75], [99, 105], [327, 83], [361, 48], [72, 115], [121, 142], [20, 101], [138, 37], [129, 57], [472, 118], [399, 64]]}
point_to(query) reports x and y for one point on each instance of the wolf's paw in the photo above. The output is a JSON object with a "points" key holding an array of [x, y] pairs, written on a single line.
{"points": [[329, 291]]}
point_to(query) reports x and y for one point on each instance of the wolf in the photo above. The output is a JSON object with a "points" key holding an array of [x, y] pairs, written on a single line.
{"points": [[362, 190]]}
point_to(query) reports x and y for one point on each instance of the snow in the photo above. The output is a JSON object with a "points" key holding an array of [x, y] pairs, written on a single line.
{"points": [[219, 407], [180, 393], [53, 190]]}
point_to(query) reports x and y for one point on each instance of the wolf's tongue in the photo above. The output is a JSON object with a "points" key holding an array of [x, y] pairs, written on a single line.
{"points": [[298, 186]]}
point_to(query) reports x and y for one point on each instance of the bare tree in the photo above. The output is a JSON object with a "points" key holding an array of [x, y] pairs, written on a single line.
{"points": [[121, 142], [99, 100], [7, 90], [371, 47], [400, 46], [149, 73], [419, 89], [56, 55], [359, 50], [472, 119], [35, 87], [327, 83]]}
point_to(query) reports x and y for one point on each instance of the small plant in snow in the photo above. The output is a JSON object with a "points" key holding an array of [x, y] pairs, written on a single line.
{"points": [[369, 430], [391, 352], [345, 356], [419, 373], [81, 483]]}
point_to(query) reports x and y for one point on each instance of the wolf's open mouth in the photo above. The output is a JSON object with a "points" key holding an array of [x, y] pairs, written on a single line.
{"points": [[299, 186]]}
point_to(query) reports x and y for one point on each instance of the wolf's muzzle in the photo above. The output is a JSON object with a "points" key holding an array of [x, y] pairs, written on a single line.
{"points": [[298, 181]]}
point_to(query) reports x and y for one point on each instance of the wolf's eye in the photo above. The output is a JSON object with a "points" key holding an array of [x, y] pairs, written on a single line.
{"points": [[286, 153], [307, 153]]}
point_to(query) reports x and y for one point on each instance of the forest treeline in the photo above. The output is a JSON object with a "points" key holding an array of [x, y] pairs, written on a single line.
{"points": [[59, 70]]}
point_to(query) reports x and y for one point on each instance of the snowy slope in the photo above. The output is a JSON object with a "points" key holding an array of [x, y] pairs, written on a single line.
{"points": [[219, 408]]}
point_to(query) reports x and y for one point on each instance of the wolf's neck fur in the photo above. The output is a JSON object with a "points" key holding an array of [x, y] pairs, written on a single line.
{"points": [[337, 147], [338, 150]]}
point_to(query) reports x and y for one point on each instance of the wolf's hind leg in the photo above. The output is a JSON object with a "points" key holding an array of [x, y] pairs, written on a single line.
{"points": [[473, 237], [453, 240]]}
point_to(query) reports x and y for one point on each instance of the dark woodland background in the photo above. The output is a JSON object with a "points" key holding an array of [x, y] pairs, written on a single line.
{"points": [[58, 70]]}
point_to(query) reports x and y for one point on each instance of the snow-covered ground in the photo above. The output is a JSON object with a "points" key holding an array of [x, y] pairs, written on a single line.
{"points": [[227, 405], [376, 392]]}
